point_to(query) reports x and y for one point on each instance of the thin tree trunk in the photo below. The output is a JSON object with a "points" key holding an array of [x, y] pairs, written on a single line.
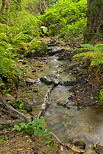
{"points": [[3, 6], [94, 30], [43, 5]]}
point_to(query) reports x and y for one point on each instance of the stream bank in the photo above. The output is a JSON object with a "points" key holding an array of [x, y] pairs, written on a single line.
{"points": [[67, 116]]}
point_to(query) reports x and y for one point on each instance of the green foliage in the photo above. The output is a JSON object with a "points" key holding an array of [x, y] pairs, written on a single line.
{"points": [[21, 37], [94, 52], [7, 71], [65, 18], [35, 127], [19, 30], [36, 48], [32, 127], [101, 96], [45, 29]]}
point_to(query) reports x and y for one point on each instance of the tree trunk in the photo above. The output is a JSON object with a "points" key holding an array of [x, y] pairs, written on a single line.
{"points": [[43, 5], [94, 30], [3, 6]]}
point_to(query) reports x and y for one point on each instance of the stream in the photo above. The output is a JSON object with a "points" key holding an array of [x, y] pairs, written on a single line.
{"points": [[66, 122]]}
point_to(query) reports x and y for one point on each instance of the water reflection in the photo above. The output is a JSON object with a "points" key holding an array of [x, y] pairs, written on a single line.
{"points": [[87, 123]]}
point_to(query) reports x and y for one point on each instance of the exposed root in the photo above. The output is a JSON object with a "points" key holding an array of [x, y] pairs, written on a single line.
{"points": [[9, 107]]}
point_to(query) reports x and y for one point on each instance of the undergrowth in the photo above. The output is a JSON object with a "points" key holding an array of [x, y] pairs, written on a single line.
{"points": [[95, 54], [36, 128], [65, 19]]}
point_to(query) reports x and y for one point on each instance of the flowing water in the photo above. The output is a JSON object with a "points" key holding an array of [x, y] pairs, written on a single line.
{"points": [[66, 123]]}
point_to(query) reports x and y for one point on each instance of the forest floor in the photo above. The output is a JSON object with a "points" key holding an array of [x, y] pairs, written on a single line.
{"points": [[86, 90]]}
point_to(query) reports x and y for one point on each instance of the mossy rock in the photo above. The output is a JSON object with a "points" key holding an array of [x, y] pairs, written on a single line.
{"points": [[36, 48]]}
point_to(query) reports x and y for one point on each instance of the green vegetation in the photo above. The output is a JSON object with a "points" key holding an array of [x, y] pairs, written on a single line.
{"points": [[18, 28], [22, 22], [101, 95], [35, 127], [95, 54], [65, 19]]}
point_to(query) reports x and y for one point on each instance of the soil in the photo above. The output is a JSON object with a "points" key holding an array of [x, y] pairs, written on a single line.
{"points": [[20, 143], [89, 82]]}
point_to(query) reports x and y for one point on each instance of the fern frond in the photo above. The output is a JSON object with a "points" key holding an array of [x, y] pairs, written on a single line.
{"points": [[93, 52], [99, 46], [97, 61], [87, 47]]}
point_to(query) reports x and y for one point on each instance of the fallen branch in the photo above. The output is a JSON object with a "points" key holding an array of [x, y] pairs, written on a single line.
{"points": [[9, 107], [46, 103], [68, 145]]}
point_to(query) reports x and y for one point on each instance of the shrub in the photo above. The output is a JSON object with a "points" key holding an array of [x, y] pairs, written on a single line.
{"points": [[7, 71], [94, 52], [101, 95], [65, 18], [35, 127], [36, 48]]}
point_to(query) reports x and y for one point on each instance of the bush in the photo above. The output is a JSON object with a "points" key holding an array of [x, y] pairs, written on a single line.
{"points": [[65, 19], [94, 52], [101, 95], [36, 48], [35, 127], [7, 71]]}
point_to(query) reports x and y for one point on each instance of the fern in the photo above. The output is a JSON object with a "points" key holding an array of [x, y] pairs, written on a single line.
{"points": [[87, 47], [101, 95], [21, 37], [93, 52], [65, 18]]}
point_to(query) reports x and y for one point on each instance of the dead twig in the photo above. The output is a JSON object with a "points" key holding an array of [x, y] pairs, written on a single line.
{"points": [[68, 145]]}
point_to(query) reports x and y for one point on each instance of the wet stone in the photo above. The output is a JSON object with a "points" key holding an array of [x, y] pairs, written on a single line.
{"points": [[33, 71], [30, 81], [35, 90], [49, 80], [55, 51], [46, 80], [62, 104], [70, 83]]}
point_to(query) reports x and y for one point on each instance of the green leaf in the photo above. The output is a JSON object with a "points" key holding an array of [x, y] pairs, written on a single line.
{"points": [[45, 29]]}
